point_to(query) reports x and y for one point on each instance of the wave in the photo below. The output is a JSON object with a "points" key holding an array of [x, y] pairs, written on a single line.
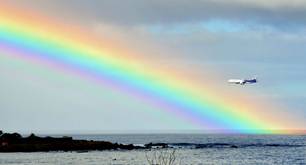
{"points": [[218, 145]]}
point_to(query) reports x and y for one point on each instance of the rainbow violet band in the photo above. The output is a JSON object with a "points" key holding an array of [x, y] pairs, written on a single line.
{"points": [[34, 38]]}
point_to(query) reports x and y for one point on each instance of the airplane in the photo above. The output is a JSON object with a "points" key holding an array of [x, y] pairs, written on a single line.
{"points": [[242, 81]]}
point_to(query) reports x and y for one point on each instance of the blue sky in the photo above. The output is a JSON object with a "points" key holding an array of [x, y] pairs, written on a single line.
{"points": [[239, 39]]}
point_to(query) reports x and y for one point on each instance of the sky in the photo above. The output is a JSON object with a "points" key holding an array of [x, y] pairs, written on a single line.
{"points": [[210, 40]]}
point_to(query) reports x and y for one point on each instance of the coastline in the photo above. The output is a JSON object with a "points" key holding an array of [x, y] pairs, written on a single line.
{"points": [[14, 142]]}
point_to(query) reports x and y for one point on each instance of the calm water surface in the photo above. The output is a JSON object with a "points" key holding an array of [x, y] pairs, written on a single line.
{"points": [[190, 149]]}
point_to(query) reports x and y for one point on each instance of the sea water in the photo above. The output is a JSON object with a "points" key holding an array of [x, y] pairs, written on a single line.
{"points": [[189, 149]]}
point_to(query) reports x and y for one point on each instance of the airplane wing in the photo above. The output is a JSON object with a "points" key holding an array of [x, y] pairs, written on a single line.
{"points": [[236, 81]]}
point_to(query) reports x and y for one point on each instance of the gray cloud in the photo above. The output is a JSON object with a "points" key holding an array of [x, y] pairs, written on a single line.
{"points": [[282, 14]]}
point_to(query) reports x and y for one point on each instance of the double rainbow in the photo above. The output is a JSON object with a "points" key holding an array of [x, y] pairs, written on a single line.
{"points": [[39, 38]]}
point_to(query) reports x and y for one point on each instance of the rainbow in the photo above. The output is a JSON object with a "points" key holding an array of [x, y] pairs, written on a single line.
{"points": [[38, 38]]}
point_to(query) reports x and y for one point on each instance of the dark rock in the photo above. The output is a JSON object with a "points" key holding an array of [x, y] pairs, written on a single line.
{"points": [[7, 137], [16, 143], [273, 145], [234, 146], [156, 145]]}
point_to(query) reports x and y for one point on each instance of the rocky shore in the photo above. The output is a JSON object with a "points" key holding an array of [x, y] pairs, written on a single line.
{"points": [[14, 142]]}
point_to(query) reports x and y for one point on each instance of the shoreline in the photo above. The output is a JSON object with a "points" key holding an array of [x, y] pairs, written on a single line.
{"points": [[14, 142]]}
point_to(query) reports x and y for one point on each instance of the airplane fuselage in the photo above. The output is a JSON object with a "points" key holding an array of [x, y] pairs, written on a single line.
{"points": [[242, 81]]}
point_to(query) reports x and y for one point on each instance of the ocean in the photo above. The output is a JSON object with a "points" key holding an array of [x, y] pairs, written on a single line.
{"points": [[187, 148]]}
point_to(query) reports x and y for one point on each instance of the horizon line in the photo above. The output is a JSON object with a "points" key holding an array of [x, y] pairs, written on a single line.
{"points": [[158, 131]]}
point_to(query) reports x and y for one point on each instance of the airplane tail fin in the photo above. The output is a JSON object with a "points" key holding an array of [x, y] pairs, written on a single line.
{"points": [[255, 78]]}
